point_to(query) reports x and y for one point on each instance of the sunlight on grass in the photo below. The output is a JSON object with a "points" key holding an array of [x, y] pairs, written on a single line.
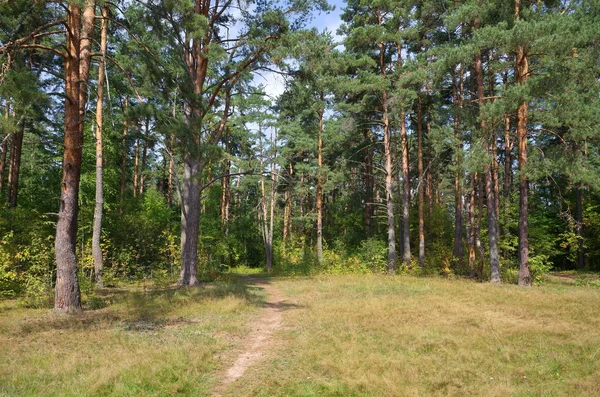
{"points": [[163, 342], [402, 336]]}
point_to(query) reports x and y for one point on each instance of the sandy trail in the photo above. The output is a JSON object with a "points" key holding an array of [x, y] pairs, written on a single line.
{"points": [[257, 342]]}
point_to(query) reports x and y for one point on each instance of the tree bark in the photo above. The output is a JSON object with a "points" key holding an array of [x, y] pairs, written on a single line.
{"points": [[79, 29], [406, 257], [522, 73], [421, 185], [579, 226], [369, 182], [144, 155], [14, 164], [320, 186], [226, 189], [190, 221], [124, 156], [4, 145], [97, 230], [458, 251], [492, 216], [136, 166]]}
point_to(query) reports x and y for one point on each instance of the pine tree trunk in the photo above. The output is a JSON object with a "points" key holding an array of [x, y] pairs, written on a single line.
{"points": [[14, 169], [421, 185], [144, 156], [471, 237], [77, 64], [391, 233], [478, 245], [458, 251], [97, 231], [171, 172], [124, 157], [190, 221], [492, 216], [405, 191], [579, 226], [272, 198], [522, 72], [369, 182], [136, 166], [320, 187], [4, 146]]}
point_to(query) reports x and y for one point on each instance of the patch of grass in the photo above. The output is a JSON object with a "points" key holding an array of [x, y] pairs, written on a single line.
{"points": [[404, 336], [129, 342]]}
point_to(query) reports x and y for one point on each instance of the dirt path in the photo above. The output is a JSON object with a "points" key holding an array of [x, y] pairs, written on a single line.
{"points": [[257, 342]]}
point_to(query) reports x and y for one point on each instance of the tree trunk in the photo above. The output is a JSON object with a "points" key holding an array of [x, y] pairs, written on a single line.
{"points": [[14, 167], [369, 181], [478, 245], [124, 155], [77, 64], [144, 156], [226, 190], [471, 237], [421, 185], [492, 216], [96, 248], [190, 221], [320, 187], [458, 251], [579, 226], [4, 146], [136, 166], [405, 191], [387, 147], [522, 72]]}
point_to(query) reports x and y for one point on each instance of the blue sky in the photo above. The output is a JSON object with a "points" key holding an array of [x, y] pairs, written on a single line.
{"points": [[274, 84]]}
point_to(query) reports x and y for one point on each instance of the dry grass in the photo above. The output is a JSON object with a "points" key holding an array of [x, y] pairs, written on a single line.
{"points": [[342, 336], [401, 336], [163, 342]]}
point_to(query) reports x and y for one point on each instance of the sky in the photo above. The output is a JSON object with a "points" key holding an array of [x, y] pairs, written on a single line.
{"points": [[275, 84]]}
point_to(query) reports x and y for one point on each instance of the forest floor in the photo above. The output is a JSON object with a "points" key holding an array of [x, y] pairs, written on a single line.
{"points": [[317, 336]]}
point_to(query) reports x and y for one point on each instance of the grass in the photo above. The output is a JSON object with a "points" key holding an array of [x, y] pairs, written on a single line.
{"points": [[402, 336], [342, 336], [144, 343]]}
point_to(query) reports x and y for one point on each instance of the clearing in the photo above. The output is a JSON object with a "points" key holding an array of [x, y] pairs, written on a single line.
{"points": [[319, 336]]}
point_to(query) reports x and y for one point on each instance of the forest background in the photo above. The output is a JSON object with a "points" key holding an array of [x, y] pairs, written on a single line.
{"points": [[139, 142]]}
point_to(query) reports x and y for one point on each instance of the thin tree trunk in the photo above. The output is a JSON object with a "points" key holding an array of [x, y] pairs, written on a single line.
{"points": [[226, 189], [14, 169], [458, 251], [97, 231], [171, 172], [288, 212], [579, 226], [4, 146], [522, 72], [124, 156], [471, 237], [320, 187], [77, 64], [272, 198], [136, 166], [421, 185], [144, 156], [369, 181], [405, 191], [479, 246]]}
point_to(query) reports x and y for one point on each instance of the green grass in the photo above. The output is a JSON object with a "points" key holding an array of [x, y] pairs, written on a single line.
{"points": [[150, 343], [403, 336], [342, 336]]}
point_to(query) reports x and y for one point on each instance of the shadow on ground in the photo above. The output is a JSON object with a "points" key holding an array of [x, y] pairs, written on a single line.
{"points": [[146, 310]]}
